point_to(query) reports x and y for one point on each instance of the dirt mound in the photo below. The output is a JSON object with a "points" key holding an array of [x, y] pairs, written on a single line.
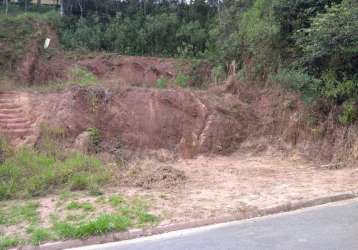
{"points": [[144, 71], [186, 123], [138, 119], [150, 176]]}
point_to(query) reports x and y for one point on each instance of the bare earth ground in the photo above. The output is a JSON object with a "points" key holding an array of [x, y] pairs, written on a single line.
{"points": [[227, 185]]}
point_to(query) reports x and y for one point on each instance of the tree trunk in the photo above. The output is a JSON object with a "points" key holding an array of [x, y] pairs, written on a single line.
{"points": [[6, 7], [61, 8], [38, 3]]}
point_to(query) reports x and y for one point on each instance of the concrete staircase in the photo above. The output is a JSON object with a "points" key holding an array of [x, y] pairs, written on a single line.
{"points": [[15, 123]]}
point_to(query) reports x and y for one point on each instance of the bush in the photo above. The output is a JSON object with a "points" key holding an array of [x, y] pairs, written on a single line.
{"points": [[338, 90], [182, 80], [84, 34], [298, 81], [95, 139], [349, 113], [331, 41], [218, 73], [161, 83]]}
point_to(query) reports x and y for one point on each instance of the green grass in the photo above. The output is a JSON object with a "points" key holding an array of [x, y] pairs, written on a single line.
{"points": [[15, 214], [29, 174], [86, 206], [182, 80], [40, 235], [7, 242], [161, 83], [83, 77], [103, 224], [115, 200]]}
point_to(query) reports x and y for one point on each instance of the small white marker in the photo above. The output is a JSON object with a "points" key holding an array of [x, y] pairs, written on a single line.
{"points": [[47, 43]]}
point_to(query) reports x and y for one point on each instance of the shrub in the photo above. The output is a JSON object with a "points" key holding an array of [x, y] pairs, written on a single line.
{"points": [[95, 139], [298, 81], [349, 113], [161, 83], [331, 41], [182, 80], [337, 90], [218, 73]]}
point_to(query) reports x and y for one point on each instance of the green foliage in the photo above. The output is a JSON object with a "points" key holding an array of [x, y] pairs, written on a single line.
{"points": [[349, 113], [115, 200], [85, 34], [337, 90], [103, 224], [331, 41], [86, 206], [13, 32], [83, 77], [218, 73], [298, 81], [12, 215], [40, 235], [7, 242], [182, 80], [29, 173], [5, 149], [161, 83], [51, 141], [95, 139]]}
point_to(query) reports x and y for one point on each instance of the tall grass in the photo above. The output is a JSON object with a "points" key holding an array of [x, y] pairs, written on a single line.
{"points": [[29, 173]]}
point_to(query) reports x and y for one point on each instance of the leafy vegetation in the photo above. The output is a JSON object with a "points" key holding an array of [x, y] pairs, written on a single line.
{"points": [[309, 46], [83, 77], [30, 173], [8, 241], [11, 215], [103, 224]]}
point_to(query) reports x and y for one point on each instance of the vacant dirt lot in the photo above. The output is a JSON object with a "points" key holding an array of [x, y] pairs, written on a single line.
{"points": [[239, 183]]}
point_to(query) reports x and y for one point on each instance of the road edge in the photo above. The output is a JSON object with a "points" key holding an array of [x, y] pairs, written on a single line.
{"points": [[132, 234]]}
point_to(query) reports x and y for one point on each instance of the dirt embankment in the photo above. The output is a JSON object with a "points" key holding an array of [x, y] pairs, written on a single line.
{"points": [[140, 119], [183, 122], [133, 115], [35, 65]]}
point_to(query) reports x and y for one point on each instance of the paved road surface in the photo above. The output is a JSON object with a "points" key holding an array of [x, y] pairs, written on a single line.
{"points": [[326, 227]]}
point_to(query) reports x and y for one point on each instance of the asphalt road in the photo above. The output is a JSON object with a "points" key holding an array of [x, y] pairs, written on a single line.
{"points": [[333, 226]]}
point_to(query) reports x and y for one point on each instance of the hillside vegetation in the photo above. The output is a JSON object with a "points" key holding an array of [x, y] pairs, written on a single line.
{"points": [[307, 46]]}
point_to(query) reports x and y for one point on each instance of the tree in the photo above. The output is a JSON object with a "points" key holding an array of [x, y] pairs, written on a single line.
{"points": [[6, 7]]}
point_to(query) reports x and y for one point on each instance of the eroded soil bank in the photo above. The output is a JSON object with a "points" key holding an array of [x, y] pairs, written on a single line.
{"points": [[185, 123]]}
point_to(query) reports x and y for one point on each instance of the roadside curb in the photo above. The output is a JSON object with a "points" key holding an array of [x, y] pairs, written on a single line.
{"points": [[132, 234]]}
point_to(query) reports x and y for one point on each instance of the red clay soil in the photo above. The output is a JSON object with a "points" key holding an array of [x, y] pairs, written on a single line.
{"points": [[142, 119], [39, 65], [187, 122]]}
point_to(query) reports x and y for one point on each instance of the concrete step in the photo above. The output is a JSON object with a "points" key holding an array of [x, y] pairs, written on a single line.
{"points": [[14, 120], [10, 126], [9, 106], [11, 111], [7, 95], [11, 116], [7, 100]]}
